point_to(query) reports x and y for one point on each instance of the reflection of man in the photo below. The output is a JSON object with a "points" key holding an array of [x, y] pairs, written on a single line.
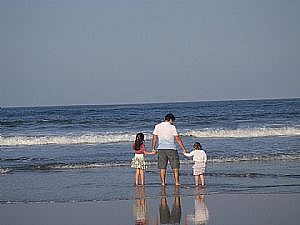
{"points": [[167, 217], [165, 134], [201, 215]]}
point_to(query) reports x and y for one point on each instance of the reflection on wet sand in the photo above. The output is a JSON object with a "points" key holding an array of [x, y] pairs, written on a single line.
{"points": [[143, 215], [140, 210], [201, 215], [167, 217]]}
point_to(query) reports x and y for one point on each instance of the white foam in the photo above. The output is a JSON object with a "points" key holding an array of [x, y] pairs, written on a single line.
{"points": [[129, 137], [256, 158], [244, 133], [5, 171], [66, 140]]}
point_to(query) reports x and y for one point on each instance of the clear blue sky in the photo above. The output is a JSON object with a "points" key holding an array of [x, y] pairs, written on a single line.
{"points": [[109, 52]]}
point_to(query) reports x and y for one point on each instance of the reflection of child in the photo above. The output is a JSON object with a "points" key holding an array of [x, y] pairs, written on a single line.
{"points": [[138, 161], [200, 158], [201, 210], [201, 215], [140, 209]]}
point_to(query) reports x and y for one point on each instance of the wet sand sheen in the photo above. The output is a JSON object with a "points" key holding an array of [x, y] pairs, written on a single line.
{"points": [[246, 209]]}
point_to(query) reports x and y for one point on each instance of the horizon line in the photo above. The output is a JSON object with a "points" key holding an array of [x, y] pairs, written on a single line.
{"points": [[144, 103]]}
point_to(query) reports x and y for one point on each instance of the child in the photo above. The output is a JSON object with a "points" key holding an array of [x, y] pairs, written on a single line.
{"points": [[199, 157], [138, 161]]}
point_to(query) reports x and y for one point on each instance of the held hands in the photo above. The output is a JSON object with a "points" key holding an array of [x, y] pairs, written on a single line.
{"points": [[153, 152]]}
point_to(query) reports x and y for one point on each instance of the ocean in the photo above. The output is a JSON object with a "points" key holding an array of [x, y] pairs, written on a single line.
{"points": [[83, 153]]}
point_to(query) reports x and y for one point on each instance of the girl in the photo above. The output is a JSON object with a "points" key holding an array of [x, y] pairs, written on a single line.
{"points": [[138, 161], [200, 158]]}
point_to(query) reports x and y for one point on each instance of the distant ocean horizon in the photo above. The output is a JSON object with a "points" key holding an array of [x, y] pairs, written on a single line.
{"points": [[77, 153], [145, 102]]}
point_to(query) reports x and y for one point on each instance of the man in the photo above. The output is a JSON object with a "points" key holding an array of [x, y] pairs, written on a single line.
{"points": [[165, 134]]}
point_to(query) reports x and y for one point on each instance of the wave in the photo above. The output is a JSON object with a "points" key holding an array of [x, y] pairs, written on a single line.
{"points": [[252, 175], [66, 140], [128, 137], [72, 166], [244, 158], [152, 164], [244, 132], [5, 170]]}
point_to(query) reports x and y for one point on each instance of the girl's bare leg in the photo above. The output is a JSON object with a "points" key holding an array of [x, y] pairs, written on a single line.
{"points": [[142, 172], [202, 179], [196, 180], [137, 174]]}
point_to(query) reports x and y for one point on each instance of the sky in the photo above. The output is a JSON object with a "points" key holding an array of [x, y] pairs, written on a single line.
{"points": [[117, 52]]}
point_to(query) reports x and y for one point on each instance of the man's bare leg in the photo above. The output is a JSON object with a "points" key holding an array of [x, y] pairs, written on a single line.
{"points": [[163, 176], [176, 176]]}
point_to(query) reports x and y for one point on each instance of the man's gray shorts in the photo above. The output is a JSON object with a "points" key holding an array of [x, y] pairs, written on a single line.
{"points": [[165, 155]]}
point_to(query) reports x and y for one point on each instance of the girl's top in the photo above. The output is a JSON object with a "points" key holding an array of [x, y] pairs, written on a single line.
{"points": [[198, 155], [141, 150]]}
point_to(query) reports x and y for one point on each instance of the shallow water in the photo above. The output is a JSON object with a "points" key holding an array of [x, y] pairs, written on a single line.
{"points": [[82, 153]]}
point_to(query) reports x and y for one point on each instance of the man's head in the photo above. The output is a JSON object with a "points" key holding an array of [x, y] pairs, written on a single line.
{"points": [[170, 117]]}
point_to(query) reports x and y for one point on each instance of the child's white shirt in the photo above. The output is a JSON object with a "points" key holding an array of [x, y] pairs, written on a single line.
{"points": [[198, 155]]}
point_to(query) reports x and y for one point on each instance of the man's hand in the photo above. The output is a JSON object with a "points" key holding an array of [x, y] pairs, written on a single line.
{"points": [[153, 152]]}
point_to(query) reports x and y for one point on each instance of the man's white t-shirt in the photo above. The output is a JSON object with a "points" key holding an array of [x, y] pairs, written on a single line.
{"points": [[166, 133]]}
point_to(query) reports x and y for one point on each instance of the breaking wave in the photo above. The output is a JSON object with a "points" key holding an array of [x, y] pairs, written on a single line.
{"points": [[99, 165], [128, 137], [66, 140], [245, 132]]}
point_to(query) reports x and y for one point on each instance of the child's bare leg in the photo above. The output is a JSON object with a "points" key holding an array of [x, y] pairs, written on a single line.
{"points": [[137, 174], [202, 179], [142, 172], [196, 180]]}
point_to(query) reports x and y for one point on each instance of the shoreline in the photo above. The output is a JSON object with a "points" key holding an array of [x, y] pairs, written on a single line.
{"points": [[228, 208]]}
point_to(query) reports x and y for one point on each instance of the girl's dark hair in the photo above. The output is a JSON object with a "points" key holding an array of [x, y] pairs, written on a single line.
{"points": [[197, 146], [139, 140]]}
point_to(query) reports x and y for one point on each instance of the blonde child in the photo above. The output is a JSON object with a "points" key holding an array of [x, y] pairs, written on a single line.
{"points": [[200, 158], [138, 161]]}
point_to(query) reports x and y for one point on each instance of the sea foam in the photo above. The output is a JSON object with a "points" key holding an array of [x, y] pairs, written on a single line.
{"points": [[129, 137], [244, 132]]}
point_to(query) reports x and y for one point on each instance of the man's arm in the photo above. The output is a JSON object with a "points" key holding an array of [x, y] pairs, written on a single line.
{"points": [[180, 143], [154, 142]]}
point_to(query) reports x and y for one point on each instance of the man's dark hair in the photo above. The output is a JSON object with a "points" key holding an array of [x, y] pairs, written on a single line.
{"points": [[169, 117]]}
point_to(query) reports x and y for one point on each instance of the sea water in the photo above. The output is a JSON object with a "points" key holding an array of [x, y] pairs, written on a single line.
{"points": [[83, 153]]}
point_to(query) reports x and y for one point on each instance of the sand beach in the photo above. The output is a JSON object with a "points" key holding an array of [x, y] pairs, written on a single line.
{"points": [[247, 209]]}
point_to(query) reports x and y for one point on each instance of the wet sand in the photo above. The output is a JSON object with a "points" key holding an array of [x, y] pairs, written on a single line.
{"points": [[231, 209]]}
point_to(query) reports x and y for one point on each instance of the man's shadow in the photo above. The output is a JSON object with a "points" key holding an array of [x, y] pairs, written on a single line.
{"points": [[167, 216]]}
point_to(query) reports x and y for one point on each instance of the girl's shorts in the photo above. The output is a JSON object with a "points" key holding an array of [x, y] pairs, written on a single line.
{"points": [[138, 162], [198, 168]]}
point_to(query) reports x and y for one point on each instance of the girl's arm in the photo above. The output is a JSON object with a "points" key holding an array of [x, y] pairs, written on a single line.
{"points": [[145, 150], [205, 157], [132, 147], [189, 154]]}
